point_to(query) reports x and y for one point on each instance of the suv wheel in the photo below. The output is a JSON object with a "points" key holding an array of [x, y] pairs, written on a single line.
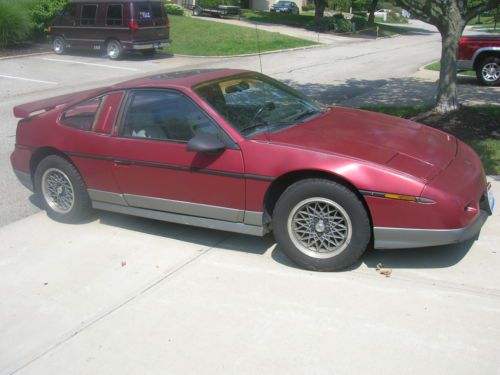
{"points": [[114, 49], [63, 191], [488, 71], [59, 45], [321, 225]]}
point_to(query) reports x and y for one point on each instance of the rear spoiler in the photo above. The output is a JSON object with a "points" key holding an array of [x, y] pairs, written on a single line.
{"points": [[44, 105]]}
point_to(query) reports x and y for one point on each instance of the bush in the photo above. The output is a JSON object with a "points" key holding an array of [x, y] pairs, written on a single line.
{"points": [[342, 25], [325, 24], [15, 23], [307, 7], [174, 9], [360, 22], [42, 11], [394, 18], [338, 16]]}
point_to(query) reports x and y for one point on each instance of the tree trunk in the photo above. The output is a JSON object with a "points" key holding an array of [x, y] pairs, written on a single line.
{"points": [[373, 8], [447, 98], [319, 11]]}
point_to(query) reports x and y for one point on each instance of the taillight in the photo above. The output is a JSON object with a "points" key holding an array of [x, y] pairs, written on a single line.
{"points": [[133, 25]]}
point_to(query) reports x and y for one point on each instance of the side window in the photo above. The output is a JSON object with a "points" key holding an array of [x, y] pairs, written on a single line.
{"points": [[114, 15], [88, 14], [82, 115], [69, 15], [165, 115]]}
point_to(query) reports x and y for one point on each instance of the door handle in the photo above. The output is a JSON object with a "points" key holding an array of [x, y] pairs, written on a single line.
{"points": [[122, 162]]}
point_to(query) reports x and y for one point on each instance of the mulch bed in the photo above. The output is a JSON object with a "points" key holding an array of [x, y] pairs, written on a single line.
{"points": [[25, 49], [466, 123]]}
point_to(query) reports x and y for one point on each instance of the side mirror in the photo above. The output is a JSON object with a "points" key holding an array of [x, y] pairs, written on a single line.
{"points": [[205, 143]]}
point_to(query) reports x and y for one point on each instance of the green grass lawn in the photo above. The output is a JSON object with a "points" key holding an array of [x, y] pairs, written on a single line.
{"points": [[198, 37], [478, 134], [436, 66], [295, 20]]}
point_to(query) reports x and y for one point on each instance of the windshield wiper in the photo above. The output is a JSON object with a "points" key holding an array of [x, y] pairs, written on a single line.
{"points": [[253, 126]]}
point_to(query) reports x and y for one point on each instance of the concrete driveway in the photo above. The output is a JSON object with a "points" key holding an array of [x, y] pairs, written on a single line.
{"points": [[123, 295]]}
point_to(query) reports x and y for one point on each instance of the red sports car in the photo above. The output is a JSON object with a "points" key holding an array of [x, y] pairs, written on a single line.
{"points": [[238, 151]]}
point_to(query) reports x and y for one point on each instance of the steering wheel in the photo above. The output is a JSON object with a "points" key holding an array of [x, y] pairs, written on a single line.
{"points": [[269, 106]]}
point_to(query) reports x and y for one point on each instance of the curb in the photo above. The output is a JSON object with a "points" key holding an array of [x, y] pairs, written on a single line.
{"points": [[25, 55], [255, 54]]}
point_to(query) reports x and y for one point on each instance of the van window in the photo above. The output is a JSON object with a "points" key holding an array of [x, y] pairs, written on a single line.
{"points": [[88, 14], [81, 116], [69, 15], [114, 15]]}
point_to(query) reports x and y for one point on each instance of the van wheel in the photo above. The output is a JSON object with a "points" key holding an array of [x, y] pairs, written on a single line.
{"points": [[197, 11], [59, 45], [114, 49], [321, 225]]}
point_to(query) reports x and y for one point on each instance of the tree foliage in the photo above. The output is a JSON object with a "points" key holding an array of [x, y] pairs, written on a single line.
{"points": [[450, 17]]}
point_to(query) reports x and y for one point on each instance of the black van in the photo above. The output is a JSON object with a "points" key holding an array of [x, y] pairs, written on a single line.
{"points": [[113, 26]]}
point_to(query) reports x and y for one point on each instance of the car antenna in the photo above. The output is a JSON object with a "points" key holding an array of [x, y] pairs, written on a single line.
{"points": [[258, 47]]}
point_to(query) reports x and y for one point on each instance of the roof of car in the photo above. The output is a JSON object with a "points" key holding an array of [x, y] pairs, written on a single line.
{"points": [[184, 78]]}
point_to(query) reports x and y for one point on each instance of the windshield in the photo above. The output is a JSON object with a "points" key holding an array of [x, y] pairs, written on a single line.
{"points": [[253, 103], [282, 3]]}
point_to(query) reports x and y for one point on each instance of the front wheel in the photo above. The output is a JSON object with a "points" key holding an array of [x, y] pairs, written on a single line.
{"points": [[59, 45], [114, 49], [488, 71], [63, 190], [321, 225], [197, 11]]}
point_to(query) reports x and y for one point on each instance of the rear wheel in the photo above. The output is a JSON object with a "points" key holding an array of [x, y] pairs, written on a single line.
{"points": [[114, 49], [59, 45], [197, 11], [321, 225], [63, 190], [488, 71]]}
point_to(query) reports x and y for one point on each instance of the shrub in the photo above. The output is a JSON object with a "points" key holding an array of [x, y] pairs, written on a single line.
{"points": [[15, 23], [325, 24], [42, 11], [338, 16], [394, 18], [342, 25], [360, 22], [174, 9], [307, 7]]}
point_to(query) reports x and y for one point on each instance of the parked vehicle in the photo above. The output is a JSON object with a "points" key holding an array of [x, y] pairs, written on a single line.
{"points": [[285, 7], [114, 26], [382, 12], [482, 54], [238, 151], [219, 8]]}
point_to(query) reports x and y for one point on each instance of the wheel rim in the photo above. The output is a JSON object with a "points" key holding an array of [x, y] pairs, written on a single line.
{"points": [[113, 50], [58, 45], [491, 72], [57, 190], [319, 227]]}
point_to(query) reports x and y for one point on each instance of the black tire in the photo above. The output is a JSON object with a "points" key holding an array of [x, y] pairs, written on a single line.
{"points": [[114, 49], [488, 71], [197, 11], [59, 45], [349, 251], [81, 207]]}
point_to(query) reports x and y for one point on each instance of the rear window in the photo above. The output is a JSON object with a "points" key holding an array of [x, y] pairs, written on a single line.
{"points": [[157, 10], [145, 12], [81, 116], [88, 14], [114, 15]]}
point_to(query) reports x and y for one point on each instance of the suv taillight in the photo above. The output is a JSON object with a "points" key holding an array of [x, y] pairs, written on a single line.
{"points": [[132, 25]]}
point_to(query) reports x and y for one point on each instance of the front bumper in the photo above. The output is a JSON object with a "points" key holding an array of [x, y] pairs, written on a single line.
{"points": [[402, 238], [155, 44]]}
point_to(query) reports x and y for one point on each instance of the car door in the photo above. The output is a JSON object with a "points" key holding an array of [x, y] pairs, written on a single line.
{"points": [[154, 170]]}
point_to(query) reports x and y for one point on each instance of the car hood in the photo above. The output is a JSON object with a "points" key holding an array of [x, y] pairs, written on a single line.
{"points": [[400, 144]]}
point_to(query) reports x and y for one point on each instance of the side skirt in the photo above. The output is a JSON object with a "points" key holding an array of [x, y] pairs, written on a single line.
{"points": [[227, 226]]}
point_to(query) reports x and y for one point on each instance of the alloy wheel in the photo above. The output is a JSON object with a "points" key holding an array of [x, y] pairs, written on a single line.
{"points": [[58, 191], [491, 72]]}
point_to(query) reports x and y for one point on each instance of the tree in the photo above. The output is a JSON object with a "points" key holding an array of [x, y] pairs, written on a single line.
{"points": [[373, 9], [450, 17], [319, 11]]}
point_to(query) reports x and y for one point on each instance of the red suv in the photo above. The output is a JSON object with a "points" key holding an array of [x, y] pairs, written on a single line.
{"points": [[482, 54]]}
